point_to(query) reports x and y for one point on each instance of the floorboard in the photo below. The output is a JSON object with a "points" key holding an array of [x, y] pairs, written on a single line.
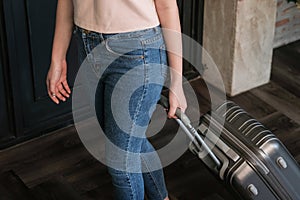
{"points": [[279, 98], [256, 107]]}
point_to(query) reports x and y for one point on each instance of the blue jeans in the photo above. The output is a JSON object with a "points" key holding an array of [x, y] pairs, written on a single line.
{"points": [[126, 95]]}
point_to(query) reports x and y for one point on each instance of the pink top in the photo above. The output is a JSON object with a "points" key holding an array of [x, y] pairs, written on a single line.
{"points": [[115, 16]]}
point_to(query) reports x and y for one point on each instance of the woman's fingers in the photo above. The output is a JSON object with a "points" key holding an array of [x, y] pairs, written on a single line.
{"points": [[63, 91], [53, 97], [60, 96], [172, 111], [52, 92], [176, 100], [56, 91], [66, 86]]}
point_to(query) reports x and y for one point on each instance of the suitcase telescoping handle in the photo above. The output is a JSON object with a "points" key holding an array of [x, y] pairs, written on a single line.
{"points": [[185, 123]]}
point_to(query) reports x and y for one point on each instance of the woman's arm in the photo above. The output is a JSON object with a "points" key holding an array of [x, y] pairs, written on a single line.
{"points": [[167, 11], [57, 85]]}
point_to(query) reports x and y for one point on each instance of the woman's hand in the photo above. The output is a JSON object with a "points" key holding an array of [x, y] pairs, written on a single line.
{"points": [[176, 100], [57, 86]]}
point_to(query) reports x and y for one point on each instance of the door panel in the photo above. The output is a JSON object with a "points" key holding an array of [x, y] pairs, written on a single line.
{"points": [[6, 122], [6, 133], [30, 29]]}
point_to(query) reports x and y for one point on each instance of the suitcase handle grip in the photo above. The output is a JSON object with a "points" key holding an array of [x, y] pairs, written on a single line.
{"points": [[165, 103], [185, 124]]}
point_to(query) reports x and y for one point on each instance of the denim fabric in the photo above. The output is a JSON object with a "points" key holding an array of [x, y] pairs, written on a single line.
{"points": [[126, 95]]}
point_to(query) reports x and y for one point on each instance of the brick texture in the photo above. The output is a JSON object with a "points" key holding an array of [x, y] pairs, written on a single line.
{"points": [[287, 23]]}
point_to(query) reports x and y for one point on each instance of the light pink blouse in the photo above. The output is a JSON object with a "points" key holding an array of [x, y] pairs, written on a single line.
{"points": [[115, 16]]}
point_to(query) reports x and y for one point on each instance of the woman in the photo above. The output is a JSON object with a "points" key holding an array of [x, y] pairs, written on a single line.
{"points": [[135, 23]]}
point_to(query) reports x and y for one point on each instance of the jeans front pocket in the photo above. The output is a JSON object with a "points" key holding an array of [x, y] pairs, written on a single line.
{"points": [[129, 48]]}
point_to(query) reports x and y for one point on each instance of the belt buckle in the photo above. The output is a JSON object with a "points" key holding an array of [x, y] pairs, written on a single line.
{"points": [[86, 31]]}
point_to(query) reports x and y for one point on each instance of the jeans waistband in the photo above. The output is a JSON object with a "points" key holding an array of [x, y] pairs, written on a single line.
{"points": [[131, 34]]}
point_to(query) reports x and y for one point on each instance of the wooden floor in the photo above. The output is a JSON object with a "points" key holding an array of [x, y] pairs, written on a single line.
{"points": [[57, 166]]}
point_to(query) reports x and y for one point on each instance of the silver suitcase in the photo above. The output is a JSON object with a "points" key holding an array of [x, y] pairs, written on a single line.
{"points": [[243, 153]]}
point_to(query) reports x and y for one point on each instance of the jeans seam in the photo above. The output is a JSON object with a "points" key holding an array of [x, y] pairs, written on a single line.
{"points": [[135, 117], [162, 50], [129, 182], [152, 177], [139, 105], [138, 108]]}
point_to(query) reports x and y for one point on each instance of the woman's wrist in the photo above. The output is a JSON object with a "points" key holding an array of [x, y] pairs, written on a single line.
{"points": [[176, 76], [175, 85], [58, 60], [176, 82]]}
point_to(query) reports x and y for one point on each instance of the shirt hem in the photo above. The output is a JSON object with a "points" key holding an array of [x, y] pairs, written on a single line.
{"points": [[100, 30]]}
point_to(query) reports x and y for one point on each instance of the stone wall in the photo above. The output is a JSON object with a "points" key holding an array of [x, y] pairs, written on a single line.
{"points": [[287, 23]]}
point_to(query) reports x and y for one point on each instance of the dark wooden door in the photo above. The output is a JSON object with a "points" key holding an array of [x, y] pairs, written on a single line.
{"points": [[6, 123], [29, 28], [6, 132]]}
